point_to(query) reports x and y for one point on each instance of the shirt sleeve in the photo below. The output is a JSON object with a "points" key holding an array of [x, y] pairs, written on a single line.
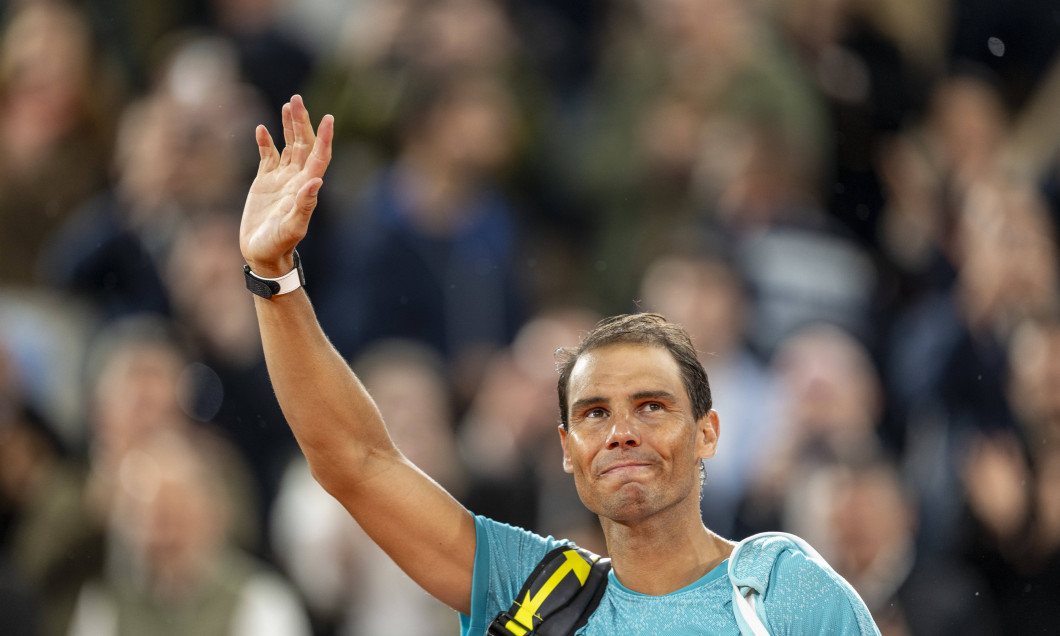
{"points": [[807, 597], [504, 556]]}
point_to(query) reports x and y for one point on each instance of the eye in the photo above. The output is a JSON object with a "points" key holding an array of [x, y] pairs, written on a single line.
{"points": [[652, 406], [595, 412]]}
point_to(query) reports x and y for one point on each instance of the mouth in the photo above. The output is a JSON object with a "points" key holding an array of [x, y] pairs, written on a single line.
{"points": [[622, 468]]}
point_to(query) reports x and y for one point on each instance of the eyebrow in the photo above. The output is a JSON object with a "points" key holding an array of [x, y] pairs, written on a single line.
{"points": [[584, 402], [665, 396], [655, 395]]}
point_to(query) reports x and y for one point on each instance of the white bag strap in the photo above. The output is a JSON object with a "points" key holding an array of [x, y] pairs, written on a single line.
{"points": [[745, 603], [746, 606]]}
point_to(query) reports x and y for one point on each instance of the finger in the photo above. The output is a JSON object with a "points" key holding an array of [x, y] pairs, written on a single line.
{"points": [[318, 160], [303, 129], [288, 134], [288, 126], [270, 158]]}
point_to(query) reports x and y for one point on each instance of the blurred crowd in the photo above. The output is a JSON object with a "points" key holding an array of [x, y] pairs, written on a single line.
{"points": [[851, 205]]}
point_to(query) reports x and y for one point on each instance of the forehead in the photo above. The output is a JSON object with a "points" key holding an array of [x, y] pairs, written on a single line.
{"points": [[625, 368]]}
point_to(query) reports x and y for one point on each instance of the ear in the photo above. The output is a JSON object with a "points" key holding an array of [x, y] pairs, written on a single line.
{"points": [[568, 467], [708, 428]]}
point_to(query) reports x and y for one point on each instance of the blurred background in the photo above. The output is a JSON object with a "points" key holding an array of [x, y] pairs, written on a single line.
{"points": [[850, 204]]}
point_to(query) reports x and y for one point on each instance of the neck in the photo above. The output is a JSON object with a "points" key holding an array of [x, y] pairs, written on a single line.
{"points": [[657, 556]]}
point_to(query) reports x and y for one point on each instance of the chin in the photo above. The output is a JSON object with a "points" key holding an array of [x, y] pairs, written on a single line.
{"points": [[630, 503]]}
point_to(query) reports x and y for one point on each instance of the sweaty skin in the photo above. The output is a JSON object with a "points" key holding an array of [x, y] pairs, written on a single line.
{"points": [[634, 449]]}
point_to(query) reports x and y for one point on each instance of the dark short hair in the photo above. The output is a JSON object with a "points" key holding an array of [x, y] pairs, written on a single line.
{"points": [[645, 329]]}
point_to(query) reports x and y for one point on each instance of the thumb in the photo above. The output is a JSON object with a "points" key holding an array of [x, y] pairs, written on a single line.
{"points": [[306, 199]]}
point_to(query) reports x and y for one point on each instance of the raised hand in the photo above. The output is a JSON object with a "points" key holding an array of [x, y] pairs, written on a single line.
{"points": [[284, 192]]}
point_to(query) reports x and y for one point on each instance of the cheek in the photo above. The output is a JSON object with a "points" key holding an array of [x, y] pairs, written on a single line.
{"points": [[680, 448], [579, 453], [578, 458]]}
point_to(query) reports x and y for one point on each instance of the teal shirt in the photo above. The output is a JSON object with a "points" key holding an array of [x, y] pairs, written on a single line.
{"points": [[804, 596]]}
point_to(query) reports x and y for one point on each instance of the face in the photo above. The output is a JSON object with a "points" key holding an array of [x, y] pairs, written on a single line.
{"points": [[868, 518], [167, 514], [138, 392], [632, 443]]}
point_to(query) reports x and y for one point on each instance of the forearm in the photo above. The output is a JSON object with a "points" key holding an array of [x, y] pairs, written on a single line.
{"points": [[330, 413]]}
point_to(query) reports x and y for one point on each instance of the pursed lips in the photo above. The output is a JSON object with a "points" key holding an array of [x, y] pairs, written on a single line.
{"points": [[623, 465]]}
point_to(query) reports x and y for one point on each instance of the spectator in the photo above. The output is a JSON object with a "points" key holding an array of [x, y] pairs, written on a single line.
{"points": [[800, 265], [171, 566], [56, 98], [1012, 532], [434, 238], [167, 166], [139, 383], [927, 170], [667, 70], [872, 525], [831, 409], [949, 353]]}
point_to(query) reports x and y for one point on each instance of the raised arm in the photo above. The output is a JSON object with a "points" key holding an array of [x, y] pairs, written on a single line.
{"points": [[427, 532]]}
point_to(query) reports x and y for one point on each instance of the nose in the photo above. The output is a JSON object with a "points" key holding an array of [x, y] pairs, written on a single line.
{"points": [[624, 433]]}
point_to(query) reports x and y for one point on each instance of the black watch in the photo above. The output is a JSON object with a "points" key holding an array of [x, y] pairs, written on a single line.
{"points": [[269, 287]]}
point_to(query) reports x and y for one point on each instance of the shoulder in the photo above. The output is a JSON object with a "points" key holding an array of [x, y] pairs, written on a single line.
{"points": [[509, 541], [793, 580], [508, 554], [757, 561], [505, 555]]}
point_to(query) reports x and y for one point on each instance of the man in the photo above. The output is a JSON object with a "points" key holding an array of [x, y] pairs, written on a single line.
{"points": [[636, 424]]}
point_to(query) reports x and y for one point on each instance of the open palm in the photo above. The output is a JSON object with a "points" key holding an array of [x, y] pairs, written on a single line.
{"points": [[284, 192]]}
